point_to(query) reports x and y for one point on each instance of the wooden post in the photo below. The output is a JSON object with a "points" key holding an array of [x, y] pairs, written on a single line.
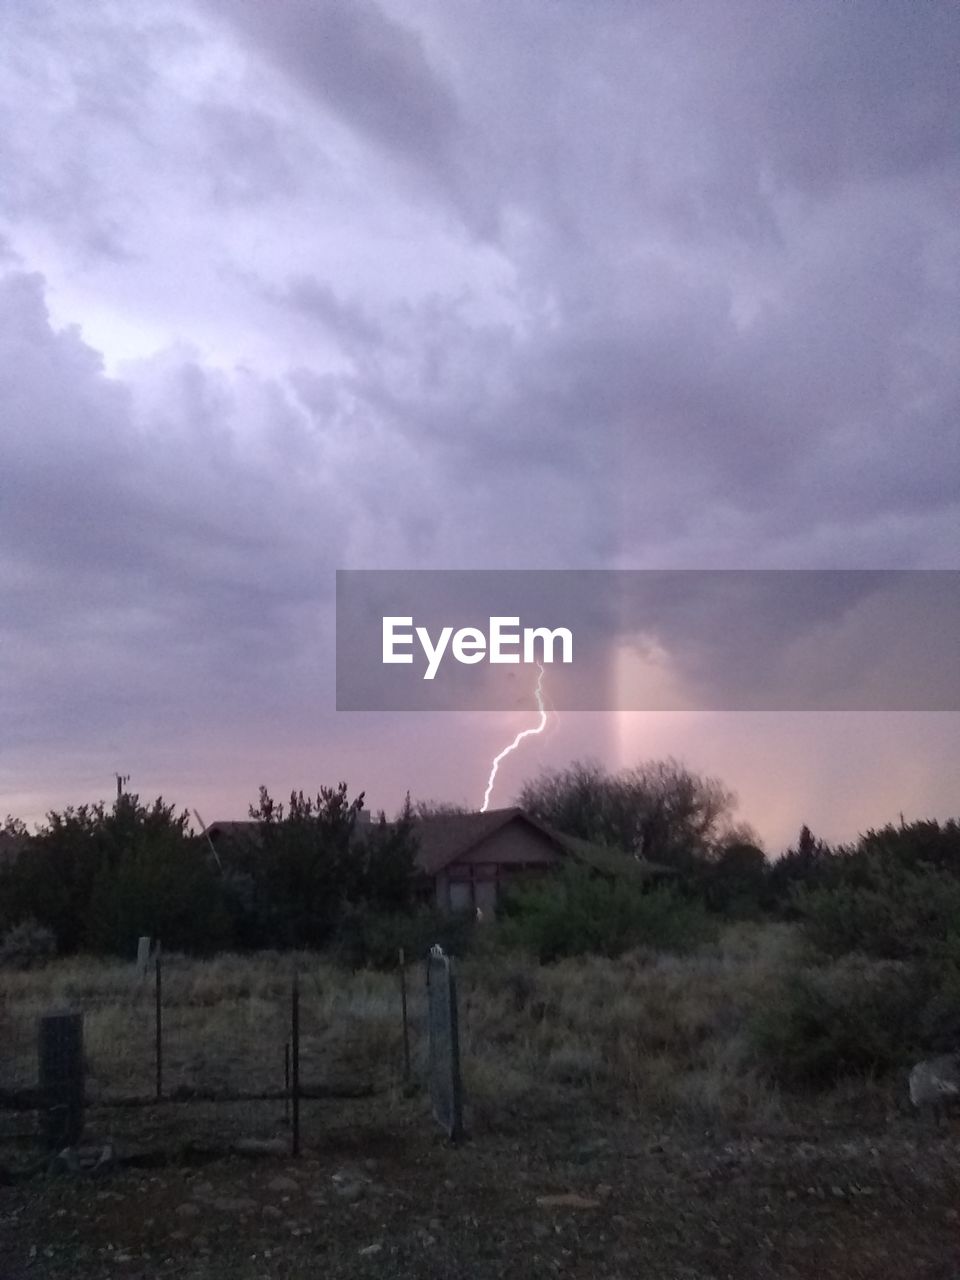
{"points": [[158, 1023], [61, 1079], [295, 1060], [403, 1010]]}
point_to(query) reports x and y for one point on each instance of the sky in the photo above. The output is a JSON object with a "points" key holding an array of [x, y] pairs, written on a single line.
{"points": [[312, 285]]}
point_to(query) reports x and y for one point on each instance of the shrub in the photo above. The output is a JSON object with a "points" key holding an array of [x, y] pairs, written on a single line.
{"points": [[368, 939], [27, 945], [578, 913], [855, 1017], [734, 882], [940, 1016], [885, 910]]}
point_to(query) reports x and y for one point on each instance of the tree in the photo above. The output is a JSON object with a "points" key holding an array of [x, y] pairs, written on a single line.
{"points": [[306, 868], [438, 808], [734, 883], [810, 864], [157, 882], [52, 881], [101, 877], [659, 810], [916, 842], [385, 863]]}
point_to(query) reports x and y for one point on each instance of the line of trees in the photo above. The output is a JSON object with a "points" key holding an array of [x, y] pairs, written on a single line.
{"points": [[663, 812], [96, 878], [313, 875]]}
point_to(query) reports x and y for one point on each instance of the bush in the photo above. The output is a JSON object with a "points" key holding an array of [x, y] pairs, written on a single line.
{"points": [[734, 882], [887, 911], [366, 939], [891, 923], [578, 913], [27, 945], [854, 1017], [940, 1016]]}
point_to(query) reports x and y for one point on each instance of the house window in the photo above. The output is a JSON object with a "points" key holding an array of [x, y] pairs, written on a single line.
{"points": [[461, 896], [485, 897]]}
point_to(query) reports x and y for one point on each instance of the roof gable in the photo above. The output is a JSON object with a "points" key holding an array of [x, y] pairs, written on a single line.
{"points": [[445, 837]]}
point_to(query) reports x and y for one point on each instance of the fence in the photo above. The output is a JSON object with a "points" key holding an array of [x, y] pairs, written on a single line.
{"points": [[252, 1033]]}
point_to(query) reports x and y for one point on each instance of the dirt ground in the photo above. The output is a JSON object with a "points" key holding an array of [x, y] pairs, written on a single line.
{"points": [[377, 1192]]}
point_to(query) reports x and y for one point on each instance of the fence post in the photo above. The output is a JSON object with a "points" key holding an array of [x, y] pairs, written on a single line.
{"points": [[295, 1060], [286, 1083], [403, 1008], [61, 1078], [446, 1090], [456, 1080], [158, 1022]]}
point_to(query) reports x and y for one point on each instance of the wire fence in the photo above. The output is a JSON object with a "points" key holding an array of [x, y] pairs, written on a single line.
{"points": [[174, 1032]]}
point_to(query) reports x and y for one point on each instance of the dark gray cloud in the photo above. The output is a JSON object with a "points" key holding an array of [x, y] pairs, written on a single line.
{"points": [[368, 68]]}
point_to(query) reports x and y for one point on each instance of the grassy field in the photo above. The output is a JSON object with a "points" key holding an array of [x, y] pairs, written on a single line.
{"points": [[645, 1034], [633, 1086]]}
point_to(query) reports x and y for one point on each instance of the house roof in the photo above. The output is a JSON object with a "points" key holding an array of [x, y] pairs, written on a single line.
{"points": [[441, 838], [444, 838], [239, 832]]}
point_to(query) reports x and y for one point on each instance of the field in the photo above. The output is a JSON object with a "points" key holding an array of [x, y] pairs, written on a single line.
{"points": [[619, 1124]]}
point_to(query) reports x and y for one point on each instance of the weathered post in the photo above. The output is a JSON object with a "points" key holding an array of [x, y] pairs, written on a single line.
{"points": [[158, 1023], [446, 1089], [143, 956], [403, 1012], [61, 1079], [295, 1061], [286, 1083]]}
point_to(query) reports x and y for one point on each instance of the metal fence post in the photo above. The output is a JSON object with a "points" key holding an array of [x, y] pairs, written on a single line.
{"points": [[61, 1078], [403, 1010], [295, 1060], [286, 1083], [456, 1080], [158, 1022]]}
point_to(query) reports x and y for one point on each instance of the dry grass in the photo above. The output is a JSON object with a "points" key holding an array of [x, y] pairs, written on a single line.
{"points": [[645, 1033]]}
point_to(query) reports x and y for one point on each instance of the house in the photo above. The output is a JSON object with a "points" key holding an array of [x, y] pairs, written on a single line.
{"points": [[465, 859]]}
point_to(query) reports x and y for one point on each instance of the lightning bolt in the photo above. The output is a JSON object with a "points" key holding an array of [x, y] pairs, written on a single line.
{"points": [[525, 733]]}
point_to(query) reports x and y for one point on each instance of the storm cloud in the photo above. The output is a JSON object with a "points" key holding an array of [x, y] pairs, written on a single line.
{"points": [[295, 287]]}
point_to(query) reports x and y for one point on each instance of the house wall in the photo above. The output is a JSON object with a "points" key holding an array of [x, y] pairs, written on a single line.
{"points": [[473, 881]]}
